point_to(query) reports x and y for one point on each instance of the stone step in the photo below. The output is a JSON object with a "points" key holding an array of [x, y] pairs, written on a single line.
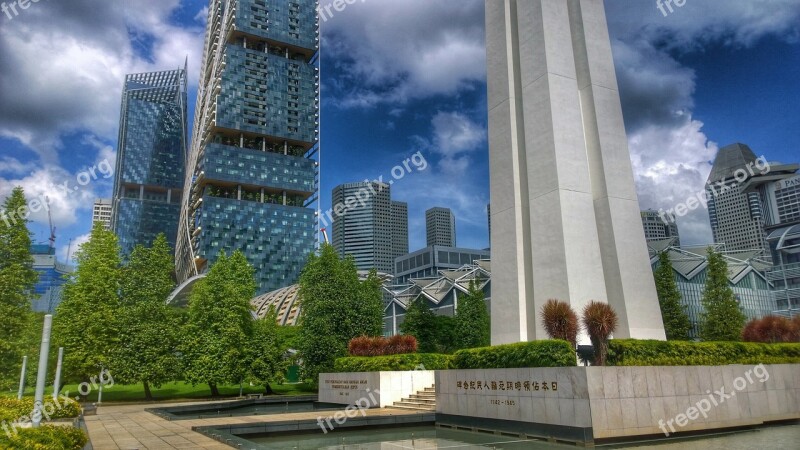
{"points": [[415, 398], [401, 405]]}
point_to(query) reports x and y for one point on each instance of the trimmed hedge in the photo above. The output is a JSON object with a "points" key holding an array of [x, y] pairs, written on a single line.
{"points": [[12, 409], [549, 353], [46, 437], [408, 361], [634, 352]]}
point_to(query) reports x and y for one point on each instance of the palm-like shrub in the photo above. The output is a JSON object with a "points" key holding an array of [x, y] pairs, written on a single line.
{"points": [[599, 320], [560, 321]]}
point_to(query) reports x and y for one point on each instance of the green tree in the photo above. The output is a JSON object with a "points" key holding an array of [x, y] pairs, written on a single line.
{"points": [[472, 324], [673, 313], [17, 279], [422, 323], [722, 319], [220, 324], [268, 347], [149, 329], [85, 322], [336, 308]]}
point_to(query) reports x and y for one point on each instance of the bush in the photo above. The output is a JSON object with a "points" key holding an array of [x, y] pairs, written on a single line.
{"points": [[409, 361], [770, 329], [633, 352], [46, 437], [12, 409], [550, 353], [381, 346]]}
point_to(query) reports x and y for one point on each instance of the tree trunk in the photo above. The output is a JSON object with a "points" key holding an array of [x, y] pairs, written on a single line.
{"points": [[147, 394], [214, 390], [268, 389]]}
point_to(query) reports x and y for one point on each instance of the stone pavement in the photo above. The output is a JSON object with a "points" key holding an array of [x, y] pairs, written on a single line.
{"points": [[129, 427]]}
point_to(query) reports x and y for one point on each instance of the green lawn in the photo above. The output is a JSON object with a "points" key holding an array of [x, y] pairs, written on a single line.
{"points": [[171, 391]]}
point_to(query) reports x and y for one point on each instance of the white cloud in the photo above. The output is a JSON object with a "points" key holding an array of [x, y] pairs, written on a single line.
{"points": [[455, 133], [398, 50], [67, 251]]}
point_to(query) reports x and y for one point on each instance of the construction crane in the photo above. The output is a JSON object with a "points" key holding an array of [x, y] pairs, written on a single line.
{"points": [[50, 220], [325, 235]]}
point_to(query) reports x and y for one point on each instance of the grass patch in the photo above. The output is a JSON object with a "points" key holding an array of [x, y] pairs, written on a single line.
{"points": [[172, 391]]}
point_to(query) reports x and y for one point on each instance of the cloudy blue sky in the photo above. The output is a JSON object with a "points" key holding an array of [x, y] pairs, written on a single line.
{"points": [[398, 77]]}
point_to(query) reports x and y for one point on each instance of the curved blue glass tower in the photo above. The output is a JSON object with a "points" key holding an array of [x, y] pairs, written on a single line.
{"points": [[251, 174]]}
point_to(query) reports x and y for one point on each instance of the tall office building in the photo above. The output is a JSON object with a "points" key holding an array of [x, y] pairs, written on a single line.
{"points": [[779, 193], [53, 275], [660, 225], [565, 216], [440, 227], [251, 177], [101, 212], [735, 215], [151, 158], [369, 226], [399, 228]]}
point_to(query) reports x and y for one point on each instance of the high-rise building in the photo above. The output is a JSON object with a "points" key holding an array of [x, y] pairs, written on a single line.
{"points": [[779, 194], [399, 228], [440, 227], [151, 158], [251, 174], [565, 215], [365, 224], [52, 277], [735, 215], [660, 225], [101, 212]]}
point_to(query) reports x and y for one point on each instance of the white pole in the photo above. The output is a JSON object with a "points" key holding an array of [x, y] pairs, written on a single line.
{"points": [[57, 383], [22, 378], [41, 377]]}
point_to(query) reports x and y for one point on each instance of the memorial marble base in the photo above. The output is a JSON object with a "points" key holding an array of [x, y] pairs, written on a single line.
{"points": [[584, 404]]}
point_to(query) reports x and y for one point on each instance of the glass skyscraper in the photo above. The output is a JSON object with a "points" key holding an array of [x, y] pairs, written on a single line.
{"points": [[251, 175], [151, 158]]}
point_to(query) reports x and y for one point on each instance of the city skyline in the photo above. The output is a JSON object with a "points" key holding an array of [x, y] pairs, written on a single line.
{"points": [[439, 113]]}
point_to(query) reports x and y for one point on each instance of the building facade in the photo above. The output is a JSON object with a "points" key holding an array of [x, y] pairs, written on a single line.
{"points": [[53, 275], [735, 214], [151, 158], [746, 276], [399, 228], [101, 212], [427, 262], [440, 292], [779, 194], [659, 225], [369, 226], [251, 175], [565, 215], [440, 227]]}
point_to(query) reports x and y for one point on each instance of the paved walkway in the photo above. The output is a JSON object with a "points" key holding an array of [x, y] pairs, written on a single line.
{"points": [[129, 427]]}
